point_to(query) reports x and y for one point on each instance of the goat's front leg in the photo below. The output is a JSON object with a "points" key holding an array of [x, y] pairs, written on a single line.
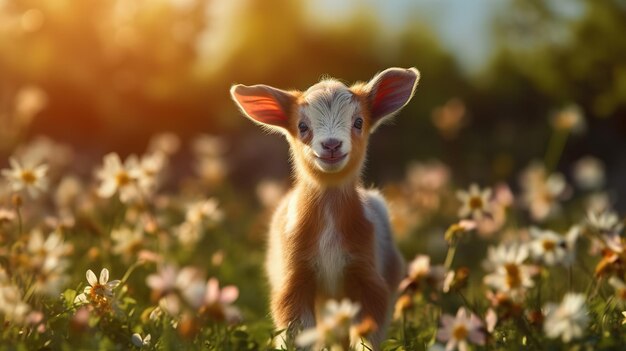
{"points": [[293, 303], [366, 286]]}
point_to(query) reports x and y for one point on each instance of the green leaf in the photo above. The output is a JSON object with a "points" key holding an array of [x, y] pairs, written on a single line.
{"points": [[392, 345], [68, 296]]}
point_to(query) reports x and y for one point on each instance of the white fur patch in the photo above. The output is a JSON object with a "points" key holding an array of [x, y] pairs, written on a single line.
{"points": [[292, 212], [376, 212], [331, 259], [275, 258], [330, 107]]}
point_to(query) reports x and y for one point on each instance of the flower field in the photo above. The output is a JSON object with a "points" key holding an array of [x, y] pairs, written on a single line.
{"points": [[136, 197], [126, 254]]}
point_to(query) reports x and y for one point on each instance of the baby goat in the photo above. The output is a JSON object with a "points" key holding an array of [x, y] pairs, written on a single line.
{"points": [[329, 237]]}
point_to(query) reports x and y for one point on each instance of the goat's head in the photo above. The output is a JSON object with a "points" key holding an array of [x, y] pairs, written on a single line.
{"points": [[328, 125]]}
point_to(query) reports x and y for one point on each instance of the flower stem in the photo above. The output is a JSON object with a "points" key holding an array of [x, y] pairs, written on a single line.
{"points": [[555, 150], [468, 304], [129, 271], [404, 329], [450, 256], [30, 291], [19, 220]]}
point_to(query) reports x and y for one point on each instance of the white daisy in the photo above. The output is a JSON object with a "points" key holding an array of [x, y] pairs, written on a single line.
{"points": [[457, 331], [127, 242], [149, 170], [99, 292], [551, 248], [542, 192], [567, 320], [334, 327], [200, 211], [12, 306], [608, 226], [118, 177], [589, 173], [138, 341], [47, 260], [606, 222], [27, 176], [474, 202], [509, 273]]}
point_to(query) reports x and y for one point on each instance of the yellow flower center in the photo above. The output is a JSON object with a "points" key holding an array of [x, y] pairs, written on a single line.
{"points": [[97, 290], [513, 276], [98, 298], [214, 311], [566, 121], [547, 197], [548, 245], [476, 203], [459, 332], [122, 178], [28, 176]]}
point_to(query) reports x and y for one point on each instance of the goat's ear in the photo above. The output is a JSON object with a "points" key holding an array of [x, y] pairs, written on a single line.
{"points": [[263, 104], [389, 91]]}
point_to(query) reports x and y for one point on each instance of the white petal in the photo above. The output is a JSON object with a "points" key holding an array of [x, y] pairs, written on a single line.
{"points": [[112, 162], [14, 164], [136, 339], [91, 277], [107, 188], [41, 170], [104, 276], [80, 299], [212, 291], [229, 294], [307, 337], [462, 195]]}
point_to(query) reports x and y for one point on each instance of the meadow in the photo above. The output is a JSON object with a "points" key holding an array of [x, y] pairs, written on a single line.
{"points": [[127, 256], [135, 198]]}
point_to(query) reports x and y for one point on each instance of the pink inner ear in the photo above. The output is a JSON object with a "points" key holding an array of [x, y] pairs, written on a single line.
{"points": [[262, 105], [391, 93]]}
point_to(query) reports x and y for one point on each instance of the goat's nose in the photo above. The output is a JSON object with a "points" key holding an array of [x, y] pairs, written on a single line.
{"points": [[331, 144]]}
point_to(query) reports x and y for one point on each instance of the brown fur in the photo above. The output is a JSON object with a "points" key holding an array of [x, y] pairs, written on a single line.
{"points": [[297, 296], [362, 282]]}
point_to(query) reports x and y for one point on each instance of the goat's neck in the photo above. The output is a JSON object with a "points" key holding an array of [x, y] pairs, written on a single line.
{"points": [[327, 194]]}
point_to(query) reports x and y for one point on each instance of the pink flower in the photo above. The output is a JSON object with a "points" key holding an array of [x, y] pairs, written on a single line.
{"points": [[218, 302], [169, 285], [456, 331]]}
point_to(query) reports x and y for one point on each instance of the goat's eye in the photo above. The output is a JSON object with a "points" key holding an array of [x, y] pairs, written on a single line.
{"points": [[358, 123], [303, 127]]}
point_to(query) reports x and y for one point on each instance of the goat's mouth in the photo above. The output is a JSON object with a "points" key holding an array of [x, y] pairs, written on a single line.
{"points": [[332, 159]]}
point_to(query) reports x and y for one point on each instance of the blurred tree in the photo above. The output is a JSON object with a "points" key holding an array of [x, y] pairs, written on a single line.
{"points": [[551, 54], [108, 66], [571, 50], [116, 71]]}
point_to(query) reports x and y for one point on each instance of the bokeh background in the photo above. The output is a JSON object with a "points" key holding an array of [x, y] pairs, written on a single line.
{"points": [[106, 75], [100, 76]]}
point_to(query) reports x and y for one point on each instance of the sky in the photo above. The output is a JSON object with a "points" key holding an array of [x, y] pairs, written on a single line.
{"points": [[462, 25]]}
